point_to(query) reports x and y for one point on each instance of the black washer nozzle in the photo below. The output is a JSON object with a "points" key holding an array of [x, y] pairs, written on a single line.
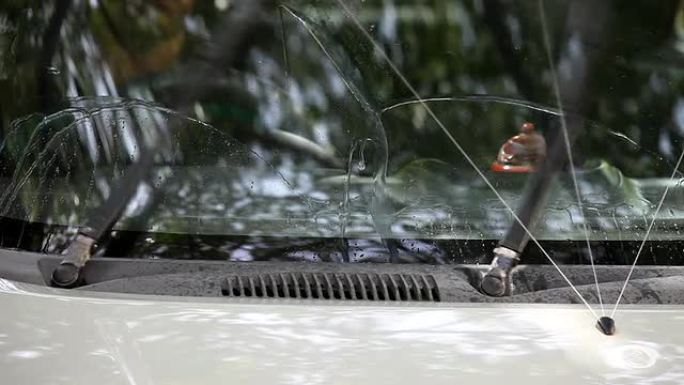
{"points": [[606, 325], [497, 281]]}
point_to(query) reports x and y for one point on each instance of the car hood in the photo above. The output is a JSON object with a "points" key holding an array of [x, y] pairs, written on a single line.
{"points": [[51, 336]]}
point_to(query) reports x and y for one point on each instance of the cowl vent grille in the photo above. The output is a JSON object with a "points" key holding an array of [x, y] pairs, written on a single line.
{"points": [[334, 286]]}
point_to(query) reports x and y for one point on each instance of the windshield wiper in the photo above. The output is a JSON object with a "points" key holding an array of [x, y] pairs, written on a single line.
{"points": [[587, 28], [496, 281], [101, 220]]}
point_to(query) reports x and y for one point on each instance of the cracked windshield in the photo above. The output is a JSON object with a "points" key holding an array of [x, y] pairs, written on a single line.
{"points": [[344, 131]]}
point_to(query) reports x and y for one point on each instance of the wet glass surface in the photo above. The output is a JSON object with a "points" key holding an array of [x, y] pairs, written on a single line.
{"points": [[278, 132]]}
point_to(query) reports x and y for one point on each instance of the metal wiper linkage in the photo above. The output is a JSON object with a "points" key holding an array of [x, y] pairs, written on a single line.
{"points": [[100, 221], [587, 26]]}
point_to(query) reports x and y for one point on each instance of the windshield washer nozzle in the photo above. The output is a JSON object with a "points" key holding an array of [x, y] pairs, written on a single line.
{"points": [[606, 325]]}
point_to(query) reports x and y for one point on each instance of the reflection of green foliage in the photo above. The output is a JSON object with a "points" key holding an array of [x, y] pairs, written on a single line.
{"points": [[434, 54], [442, 47], [136, 25], [617, 186], [138, 36], [230, 112], [424, 177]]}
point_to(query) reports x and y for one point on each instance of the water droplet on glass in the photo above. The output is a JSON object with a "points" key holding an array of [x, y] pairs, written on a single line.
{"points": [[362, 155]]}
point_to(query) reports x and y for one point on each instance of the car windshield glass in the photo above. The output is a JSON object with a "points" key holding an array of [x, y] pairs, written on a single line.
{"points": [[354, 131]]}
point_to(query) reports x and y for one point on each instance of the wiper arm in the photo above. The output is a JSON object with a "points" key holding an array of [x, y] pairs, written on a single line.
{"points": [[101, 220], [496, 281], [587, 27]]}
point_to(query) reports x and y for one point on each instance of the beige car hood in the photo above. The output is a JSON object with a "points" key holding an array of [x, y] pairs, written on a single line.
{"points": [[50, 336]]}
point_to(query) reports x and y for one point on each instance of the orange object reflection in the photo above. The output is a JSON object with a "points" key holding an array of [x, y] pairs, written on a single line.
{"points": [[522, 153]]}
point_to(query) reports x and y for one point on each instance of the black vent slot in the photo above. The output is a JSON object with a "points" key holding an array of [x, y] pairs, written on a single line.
{"points": [[338, 286]]}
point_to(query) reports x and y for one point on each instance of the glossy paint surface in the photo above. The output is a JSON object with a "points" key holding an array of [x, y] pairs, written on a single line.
{"points": [[50, 336]]}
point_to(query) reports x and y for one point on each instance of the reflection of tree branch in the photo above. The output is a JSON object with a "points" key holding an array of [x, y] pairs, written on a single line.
{"points": [[231, 91], [47, 92], [237, 34], [51, 38], [300, 143], [494, 17], [241, 29]]}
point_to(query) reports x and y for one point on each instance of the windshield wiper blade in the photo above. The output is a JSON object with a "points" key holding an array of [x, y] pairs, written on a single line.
{"points": [[101, 220]]}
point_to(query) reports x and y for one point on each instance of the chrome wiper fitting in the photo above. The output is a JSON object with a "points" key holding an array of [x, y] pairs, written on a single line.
{"points": [[68, 273], [497, 281]]}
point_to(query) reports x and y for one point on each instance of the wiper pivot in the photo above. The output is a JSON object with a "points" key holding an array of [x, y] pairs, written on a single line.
{"points": [[68, 273], [497, 281]]}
